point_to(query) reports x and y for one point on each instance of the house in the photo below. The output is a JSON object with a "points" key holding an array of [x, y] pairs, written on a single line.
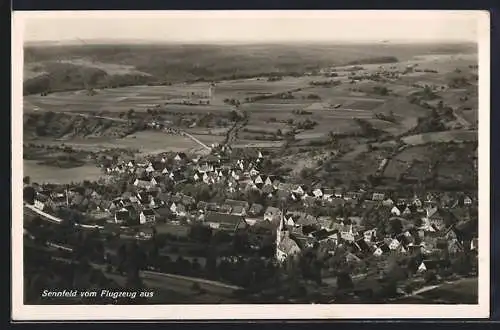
{"points": [[401, 202], [205, 168], [378, 197], [147, 216], [268, 181], [388, 202], [134, 200], [381, 249], [269, 189], [272, 213], [256, 210], [338, 192], [417, 202], [347, 233], [309, 200], [370, 235], [318, 193], [58, 199], [238, 210], [306, 220], [143, 183], [407, 211], [467, 201], [180, 157], [150, 168], [437, 218], [253, 171], [351, 257], [299, 190], [178, 209], [231, 203], [258, 180], [288, 187], [351, 195], [42, 201], [122, 216], [394, 244], [225, 222], [328, 193], [145, 234], [395, 211], [196, 177]]}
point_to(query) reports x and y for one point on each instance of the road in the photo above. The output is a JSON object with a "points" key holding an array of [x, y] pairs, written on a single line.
{"points": [[195, 140], [464, 122], [462, 291]]}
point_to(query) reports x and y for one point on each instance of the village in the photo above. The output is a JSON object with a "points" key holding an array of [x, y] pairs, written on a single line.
{"points": [[236, 200]]}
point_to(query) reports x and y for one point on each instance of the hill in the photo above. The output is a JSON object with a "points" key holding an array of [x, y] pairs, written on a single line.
{"points": [[68, 67]]}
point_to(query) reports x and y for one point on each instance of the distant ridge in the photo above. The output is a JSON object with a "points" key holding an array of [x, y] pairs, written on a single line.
{"points": [[42, 43]]}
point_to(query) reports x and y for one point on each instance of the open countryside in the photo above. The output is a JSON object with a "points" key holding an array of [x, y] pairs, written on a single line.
{"points": [[262, 174]]}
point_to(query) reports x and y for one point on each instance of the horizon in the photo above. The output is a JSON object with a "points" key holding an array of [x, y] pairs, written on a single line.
{"points": [[134, 42], [251, 27]]}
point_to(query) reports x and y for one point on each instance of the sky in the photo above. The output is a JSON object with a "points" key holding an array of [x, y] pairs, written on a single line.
{"points": [[251, 26]]}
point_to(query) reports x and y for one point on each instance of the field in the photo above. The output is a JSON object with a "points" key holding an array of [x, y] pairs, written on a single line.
{"points": [[447, 136], [147, 141], [50, 174], [448, 165], [303, 102], [139, 98]]}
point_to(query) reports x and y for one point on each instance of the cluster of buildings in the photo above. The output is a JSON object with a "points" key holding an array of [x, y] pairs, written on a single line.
{"points": [[158, 194]]}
